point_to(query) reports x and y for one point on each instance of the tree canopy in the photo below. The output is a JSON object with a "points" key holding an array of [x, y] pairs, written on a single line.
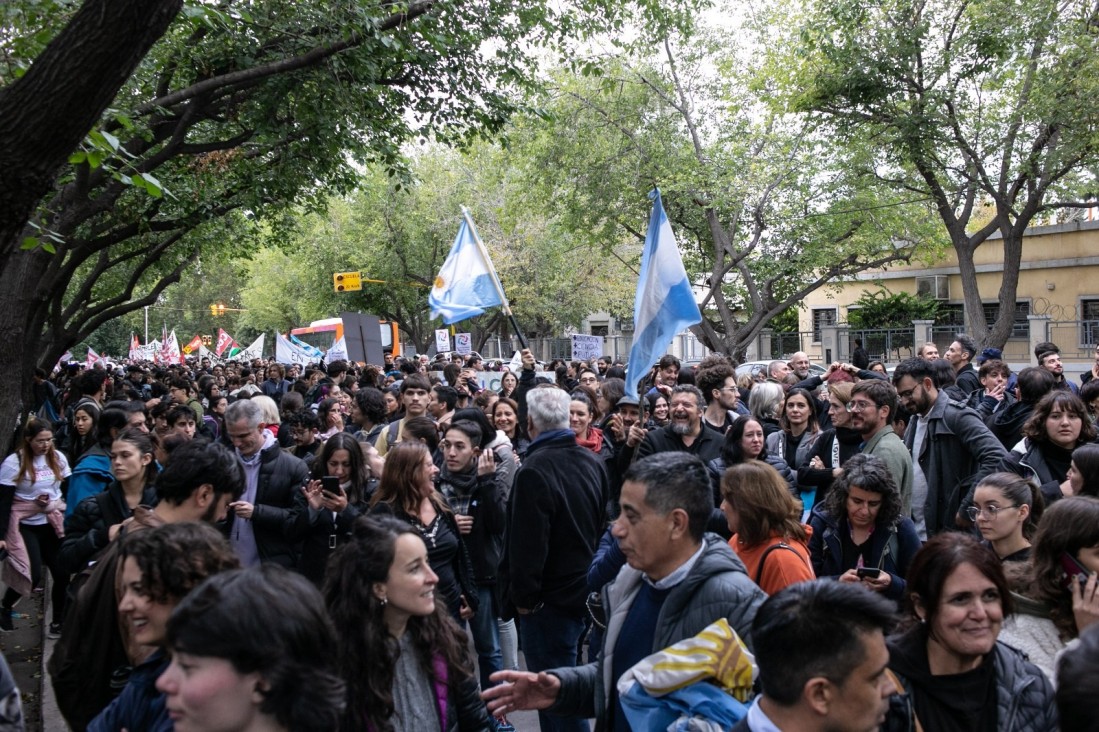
{"points": [[983, 108]]}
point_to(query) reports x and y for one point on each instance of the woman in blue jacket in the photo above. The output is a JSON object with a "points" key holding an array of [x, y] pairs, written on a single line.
{"points": [[859, 534]]}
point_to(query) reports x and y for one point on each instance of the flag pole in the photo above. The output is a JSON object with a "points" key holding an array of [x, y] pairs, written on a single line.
{"points": [[495, 278]]}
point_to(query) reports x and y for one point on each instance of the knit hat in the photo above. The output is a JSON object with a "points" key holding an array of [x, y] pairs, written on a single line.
{"points": [[990, 354]]}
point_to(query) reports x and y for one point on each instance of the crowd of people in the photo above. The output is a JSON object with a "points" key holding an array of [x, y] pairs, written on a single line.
{"points": [[254, 546]]}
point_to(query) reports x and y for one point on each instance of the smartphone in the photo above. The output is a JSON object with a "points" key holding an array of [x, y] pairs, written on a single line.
{"points": [[331, 484], [867, 572], [1072, 568]]}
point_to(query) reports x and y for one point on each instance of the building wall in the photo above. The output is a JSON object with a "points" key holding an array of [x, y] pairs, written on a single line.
{"points": [[1059, 272]]}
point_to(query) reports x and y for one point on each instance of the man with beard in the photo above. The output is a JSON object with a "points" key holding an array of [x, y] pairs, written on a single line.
{"points": [[197, 485], [717, 383], [1049, 358], [684, 432], [873, 405], [951, 448], [799, 365]]}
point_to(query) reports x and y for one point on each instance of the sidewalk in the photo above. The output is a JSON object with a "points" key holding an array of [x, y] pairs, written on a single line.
{"points": [[22, 648]]}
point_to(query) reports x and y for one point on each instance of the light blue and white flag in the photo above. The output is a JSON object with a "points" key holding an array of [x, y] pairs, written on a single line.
{"points": [[665, 303], [466, 284], [313, 351]]}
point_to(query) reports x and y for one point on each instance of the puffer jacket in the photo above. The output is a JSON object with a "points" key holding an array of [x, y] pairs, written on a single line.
{"points": [[1024, 696], [717, 469], [716, 587]]}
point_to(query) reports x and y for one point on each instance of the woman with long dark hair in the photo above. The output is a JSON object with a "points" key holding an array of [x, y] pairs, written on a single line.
{"points": [[745, 441], [1058, 425], [1054, 604], [795, 441], [30, 481], [332, 512], [1083, 471], [380, 592], [407, 490]]}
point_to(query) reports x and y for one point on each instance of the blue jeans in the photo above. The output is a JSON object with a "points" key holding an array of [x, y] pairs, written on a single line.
{"points": [[549, 641], [486, 636]]}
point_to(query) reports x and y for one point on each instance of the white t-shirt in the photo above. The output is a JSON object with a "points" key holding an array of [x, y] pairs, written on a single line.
{"points": [[44, 481]]}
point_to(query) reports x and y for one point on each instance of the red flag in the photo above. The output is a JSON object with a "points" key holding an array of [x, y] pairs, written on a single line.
{"points": [[224, 341]]}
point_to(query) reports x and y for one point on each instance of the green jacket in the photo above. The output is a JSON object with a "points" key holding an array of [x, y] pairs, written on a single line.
{"points": [[891, 450]]}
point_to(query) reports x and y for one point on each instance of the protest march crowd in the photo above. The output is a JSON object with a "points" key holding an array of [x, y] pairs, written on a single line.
{"points": [[246, 546]]}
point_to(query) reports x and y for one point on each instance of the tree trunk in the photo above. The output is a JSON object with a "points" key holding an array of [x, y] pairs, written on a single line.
{"points": [[44, 115]]}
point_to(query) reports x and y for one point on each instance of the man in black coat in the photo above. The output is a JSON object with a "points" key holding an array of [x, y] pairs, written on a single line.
{"points": [[269, 520], [557, 513]]}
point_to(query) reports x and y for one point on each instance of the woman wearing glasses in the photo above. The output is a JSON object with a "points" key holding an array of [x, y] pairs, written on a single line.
{"points": [[1006, 508]]}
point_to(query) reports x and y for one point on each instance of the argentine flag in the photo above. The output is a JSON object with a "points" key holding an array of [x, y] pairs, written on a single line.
{"points": [[465, 285], [665, 303], [311, 351]]}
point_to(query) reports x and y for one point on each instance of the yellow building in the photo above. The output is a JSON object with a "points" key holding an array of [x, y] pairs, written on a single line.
{"points": [[1057, 298]]}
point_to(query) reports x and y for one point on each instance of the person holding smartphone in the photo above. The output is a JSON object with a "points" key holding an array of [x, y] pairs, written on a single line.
{"points": [[1057, 595], [859, 534], [338, 492]]}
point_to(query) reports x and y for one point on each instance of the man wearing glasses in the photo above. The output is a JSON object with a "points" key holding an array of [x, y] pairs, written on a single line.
{"points": [[952, 447], [873, 405]]}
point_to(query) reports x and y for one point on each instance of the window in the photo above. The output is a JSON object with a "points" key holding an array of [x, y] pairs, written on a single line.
{"points": [[822, 317], [1089, 322], [953, 314]]}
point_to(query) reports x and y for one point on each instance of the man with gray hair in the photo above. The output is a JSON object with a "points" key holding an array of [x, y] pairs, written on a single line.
{"points": [[684, 431], [679, 580], [269, 520], [557, 513]]}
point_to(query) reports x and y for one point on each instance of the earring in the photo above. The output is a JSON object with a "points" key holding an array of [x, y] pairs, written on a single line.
{"points": [[383, 601]]}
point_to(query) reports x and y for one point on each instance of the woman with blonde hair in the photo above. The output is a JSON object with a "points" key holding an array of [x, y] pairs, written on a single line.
{"points": [[407, 491], [764, 517]]}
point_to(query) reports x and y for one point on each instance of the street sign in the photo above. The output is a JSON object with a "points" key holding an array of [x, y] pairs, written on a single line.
{"points": [[347, 281]]}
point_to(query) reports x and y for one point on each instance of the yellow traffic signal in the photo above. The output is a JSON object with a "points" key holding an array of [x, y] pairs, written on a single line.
{"points": [[347, 281]]}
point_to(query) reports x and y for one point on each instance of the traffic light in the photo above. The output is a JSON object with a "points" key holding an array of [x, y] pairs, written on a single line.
{"points": [[217, 309], [347, 281]]}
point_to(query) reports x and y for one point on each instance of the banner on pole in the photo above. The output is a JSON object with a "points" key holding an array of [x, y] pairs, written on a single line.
{"points": [[463, 343], [288, 352]]}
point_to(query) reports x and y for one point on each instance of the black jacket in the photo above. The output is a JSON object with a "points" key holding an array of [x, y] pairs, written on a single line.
{"points": [[487, 505], [87, 528], [1007, 424], [967, 380], [280, 519], [324, 535], [556, 516], [706, 446]]}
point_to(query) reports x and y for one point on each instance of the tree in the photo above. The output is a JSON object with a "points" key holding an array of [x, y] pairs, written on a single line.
{"points": [[399, 238], [243, 107], [983, 108], [885, 309], [761, 200]]}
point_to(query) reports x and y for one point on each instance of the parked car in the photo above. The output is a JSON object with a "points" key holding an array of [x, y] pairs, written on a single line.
{"points": [[753, 367]]}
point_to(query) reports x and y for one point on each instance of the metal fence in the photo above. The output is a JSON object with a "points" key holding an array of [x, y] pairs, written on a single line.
{"points": [[1076, 338]]}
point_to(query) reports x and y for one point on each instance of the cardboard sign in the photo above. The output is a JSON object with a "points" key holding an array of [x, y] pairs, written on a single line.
{"points": [[586, 347]]}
